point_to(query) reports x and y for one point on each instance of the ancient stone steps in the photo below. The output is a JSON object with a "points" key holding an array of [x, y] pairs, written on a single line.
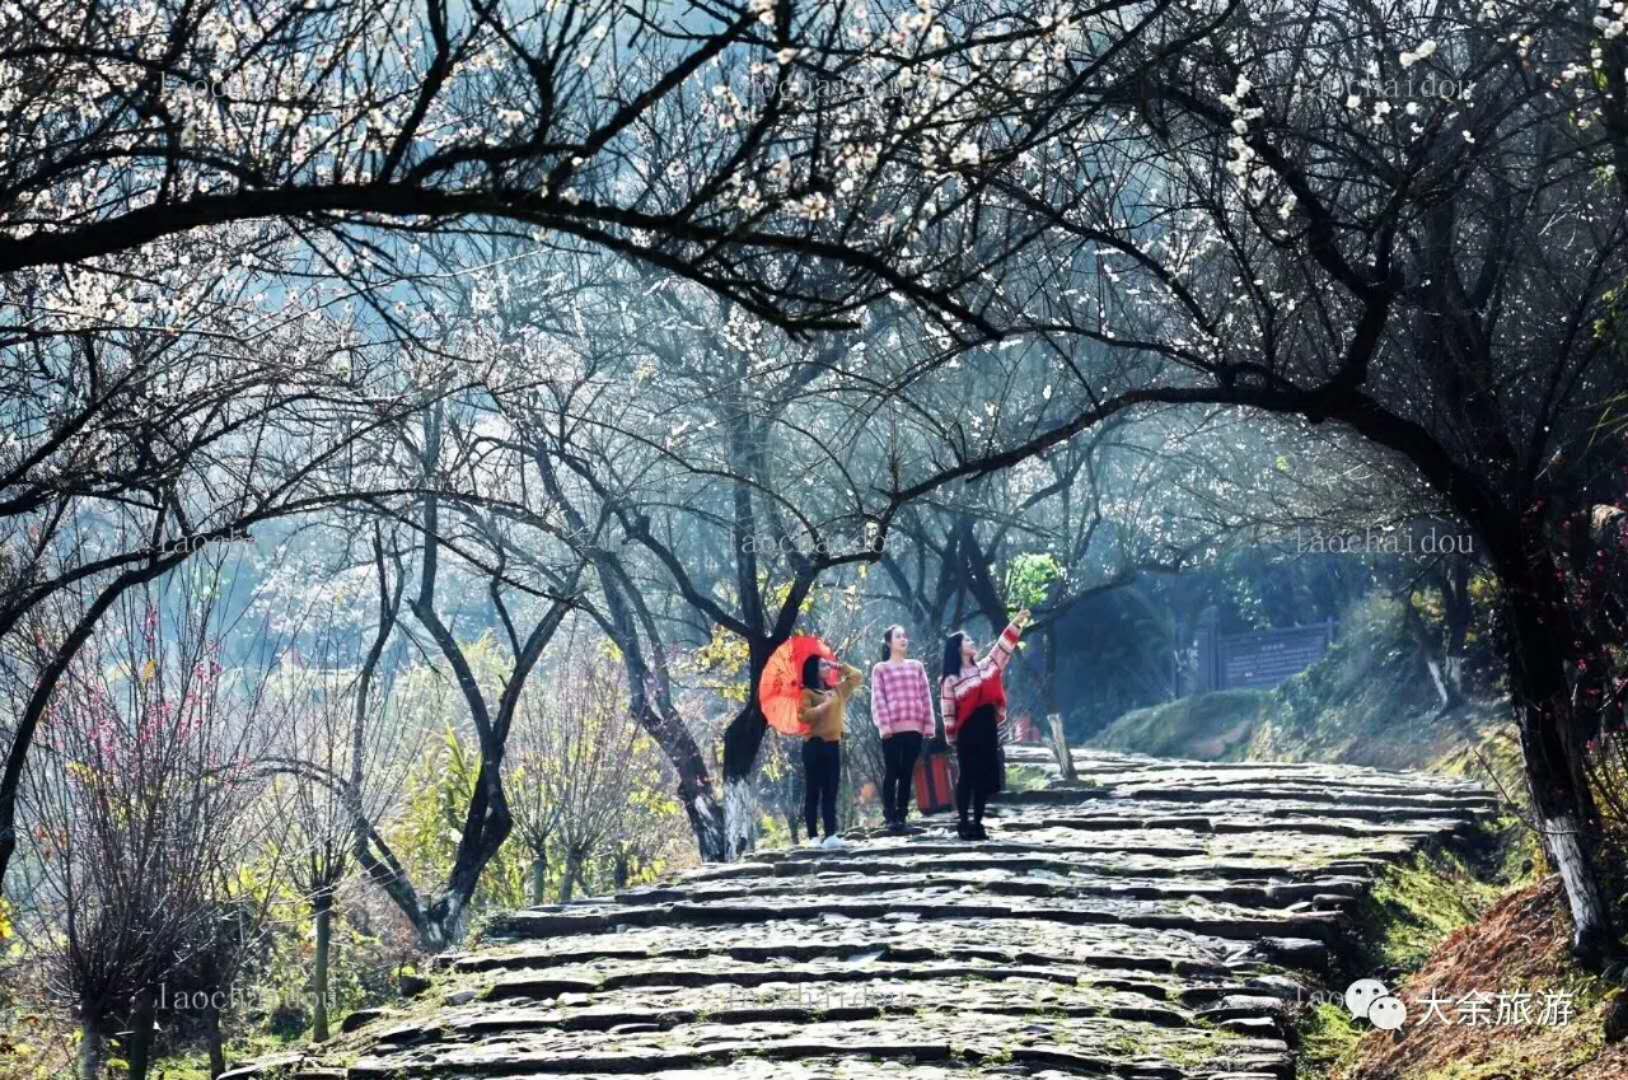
{"points": [[1189, 982], [1252, 824], [1089, 950], [1308, 799], [1316, 848], [814, 1068], [843, 1035], [1098, 767], [1201, 916], [995, 881], [583, 999], [1155, 923], [1335, 849], [1053, 861]]}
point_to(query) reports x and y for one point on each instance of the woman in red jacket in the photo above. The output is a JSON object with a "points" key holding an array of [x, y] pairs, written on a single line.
{"points": [[972, 700]]}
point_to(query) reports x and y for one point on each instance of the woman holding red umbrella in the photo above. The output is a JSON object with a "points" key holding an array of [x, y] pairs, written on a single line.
{"points": [[824, 712], [972, 700]]}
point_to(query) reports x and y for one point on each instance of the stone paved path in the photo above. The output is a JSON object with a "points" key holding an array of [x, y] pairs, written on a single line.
{"points": [[1149, 927]]}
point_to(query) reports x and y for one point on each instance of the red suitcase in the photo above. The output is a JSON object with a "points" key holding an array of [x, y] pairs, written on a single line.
{"points": [[935, 783]]}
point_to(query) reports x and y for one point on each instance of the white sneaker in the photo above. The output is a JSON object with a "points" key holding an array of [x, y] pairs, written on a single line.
{"points": [[834, 842]]}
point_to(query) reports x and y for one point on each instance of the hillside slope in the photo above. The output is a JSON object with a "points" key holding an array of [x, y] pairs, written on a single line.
{"points": [[1369, 701]]}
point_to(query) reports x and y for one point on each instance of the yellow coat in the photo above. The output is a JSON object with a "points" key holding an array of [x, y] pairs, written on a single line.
{"points": [[825, 711]]}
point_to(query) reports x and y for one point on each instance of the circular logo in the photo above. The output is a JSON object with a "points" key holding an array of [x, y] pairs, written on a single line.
{"points": [[1361, 995], [1388, 1013]]}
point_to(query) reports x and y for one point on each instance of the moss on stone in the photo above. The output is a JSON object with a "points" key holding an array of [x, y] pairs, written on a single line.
{"points": [[1026, 778], [1413, 906], [1328, 1041], [1193, 1053]]}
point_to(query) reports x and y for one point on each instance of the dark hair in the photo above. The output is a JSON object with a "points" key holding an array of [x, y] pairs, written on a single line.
{"points": [[952, 652], [887, 640], [811, 673]]}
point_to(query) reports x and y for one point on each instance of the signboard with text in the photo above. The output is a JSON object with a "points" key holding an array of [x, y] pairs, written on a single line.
{"points": [[1261, 659]]}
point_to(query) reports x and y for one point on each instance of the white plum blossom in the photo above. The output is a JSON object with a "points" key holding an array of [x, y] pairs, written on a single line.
{"points": [[1234, 100], [815, 207], [1423, 52]]}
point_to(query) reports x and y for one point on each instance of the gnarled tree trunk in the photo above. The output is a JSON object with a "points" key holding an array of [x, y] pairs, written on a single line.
{"points": [[139, 1043], [575, 860], [539, 876], [215, 1044], [89, 1061], [742, 741], [322, 909], [1552, 734]]}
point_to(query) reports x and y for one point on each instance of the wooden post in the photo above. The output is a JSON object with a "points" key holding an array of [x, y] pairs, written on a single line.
{"points": [[1059, 747]]}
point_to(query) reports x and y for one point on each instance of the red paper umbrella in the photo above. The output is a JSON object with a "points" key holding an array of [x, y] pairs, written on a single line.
{"points": [[780, 691]]}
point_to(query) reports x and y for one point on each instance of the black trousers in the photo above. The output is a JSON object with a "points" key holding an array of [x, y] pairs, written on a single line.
{"points": [[899, 753], [977, 753], [822, 772]]}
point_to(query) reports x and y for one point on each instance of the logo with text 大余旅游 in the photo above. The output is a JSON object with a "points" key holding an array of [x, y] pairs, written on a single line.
{"points": [[1371, 1000]]}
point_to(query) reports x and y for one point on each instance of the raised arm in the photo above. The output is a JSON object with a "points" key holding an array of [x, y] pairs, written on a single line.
{"points": [[1000, 653]]}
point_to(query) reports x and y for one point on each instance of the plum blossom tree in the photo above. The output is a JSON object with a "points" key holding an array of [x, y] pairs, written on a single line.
{"points": [[1408, 222], [140, 803], [446, 446], [708, 141], [164, 165], [339, 764], [583, 756], [152, 415], [1214, 203]]}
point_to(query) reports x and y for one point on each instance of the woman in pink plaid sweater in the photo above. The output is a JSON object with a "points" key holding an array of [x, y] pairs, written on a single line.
{"points": [[902, 706]]}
